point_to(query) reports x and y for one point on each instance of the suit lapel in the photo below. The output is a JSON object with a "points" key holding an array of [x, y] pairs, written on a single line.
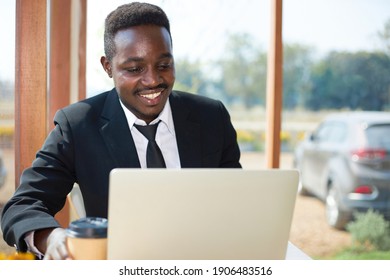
{"points": [[116, 133], [187, 133]]}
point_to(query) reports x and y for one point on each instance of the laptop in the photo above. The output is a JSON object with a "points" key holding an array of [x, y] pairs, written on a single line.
{"points": [[200, 214]]}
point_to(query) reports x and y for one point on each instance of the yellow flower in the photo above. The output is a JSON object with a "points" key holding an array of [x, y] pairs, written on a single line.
{"points": [[6, 130], [244, 136], [2, 256], [17, 256], [284, 136]]}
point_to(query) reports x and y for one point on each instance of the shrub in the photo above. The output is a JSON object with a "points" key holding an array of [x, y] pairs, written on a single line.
{"points": [[6, 131], [370, 231], [245, 136]]}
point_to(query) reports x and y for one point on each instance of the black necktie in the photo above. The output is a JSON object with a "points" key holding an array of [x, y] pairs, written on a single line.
{"points": [[154, 157]]}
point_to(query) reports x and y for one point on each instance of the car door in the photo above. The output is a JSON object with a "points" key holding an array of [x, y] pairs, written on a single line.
{"points": [[312, 157], [330, 155], [323, 148]]}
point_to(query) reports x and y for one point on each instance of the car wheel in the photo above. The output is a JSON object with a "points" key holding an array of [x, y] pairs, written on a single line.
{"points": [[302, 190], [334, 215]]}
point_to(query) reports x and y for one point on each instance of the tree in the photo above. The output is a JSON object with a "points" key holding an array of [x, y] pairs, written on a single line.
{"points": [[189, 76], [384, 35], [243, 71], [6, 90], [351, 80], [296, 74]]}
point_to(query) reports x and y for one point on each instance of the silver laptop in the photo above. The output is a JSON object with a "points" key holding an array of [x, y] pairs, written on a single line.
{"points": [[200, 214]]}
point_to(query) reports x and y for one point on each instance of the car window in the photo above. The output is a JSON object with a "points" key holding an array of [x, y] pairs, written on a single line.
{"points": [[331, 132], [338, 132], [378, 136], [322, 133]]}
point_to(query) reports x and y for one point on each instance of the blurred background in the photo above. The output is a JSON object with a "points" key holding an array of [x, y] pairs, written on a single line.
{"points": [[336, 58]]}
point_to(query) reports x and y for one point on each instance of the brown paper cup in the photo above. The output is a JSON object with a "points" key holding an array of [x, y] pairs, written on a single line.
{"points": [[87, 239]]}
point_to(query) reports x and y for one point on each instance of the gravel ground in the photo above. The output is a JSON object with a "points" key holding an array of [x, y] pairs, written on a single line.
{"points": [[309, 231]]}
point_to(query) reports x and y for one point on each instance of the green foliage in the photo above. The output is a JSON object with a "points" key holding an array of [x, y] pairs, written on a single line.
{"points": [[370, 231], [351, 80], [384, 35], [189, 76], [352, 254], [297, 63], [243, 71], [249, 140], [340, 80]]}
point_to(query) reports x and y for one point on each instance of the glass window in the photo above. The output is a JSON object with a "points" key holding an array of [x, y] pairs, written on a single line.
{"points": [[7, 111], [378, 136], [338, 132]]}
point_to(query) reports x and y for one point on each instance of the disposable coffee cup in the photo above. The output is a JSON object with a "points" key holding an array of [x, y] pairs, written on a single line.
{"points": [[87, 239]]}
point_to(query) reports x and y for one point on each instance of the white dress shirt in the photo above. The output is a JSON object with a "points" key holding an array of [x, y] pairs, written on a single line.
{"points": [[165, 136]]}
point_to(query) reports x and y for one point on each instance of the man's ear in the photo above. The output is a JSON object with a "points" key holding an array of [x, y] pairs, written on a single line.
{"points": [[106, 65]]}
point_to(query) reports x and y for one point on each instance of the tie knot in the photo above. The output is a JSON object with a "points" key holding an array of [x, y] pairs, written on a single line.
{"points": [[149, 131], [154, 157]]}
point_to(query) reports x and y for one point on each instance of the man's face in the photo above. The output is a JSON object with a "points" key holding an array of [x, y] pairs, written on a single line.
{"points": [[142, 69]]}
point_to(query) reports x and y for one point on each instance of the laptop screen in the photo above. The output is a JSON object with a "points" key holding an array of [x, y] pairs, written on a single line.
{"points": [[204, 214]]}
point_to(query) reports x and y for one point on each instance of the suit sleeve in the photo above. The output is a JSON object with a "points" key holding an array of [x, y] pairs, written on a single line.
{"points": [[231, 152], [43, 187]]}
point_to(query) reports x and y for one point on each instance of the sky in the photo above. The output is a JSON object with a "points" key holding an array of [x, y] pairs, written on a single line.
{"points": [[200, 27]]}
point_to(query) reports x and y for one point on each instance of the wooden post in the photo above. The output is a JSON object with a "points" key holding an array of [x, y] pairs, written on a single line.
{"points": [[79, 48], [59, 71], [59, 85], [274, 87], [30, 82], [67, 62], [34, 106], [67, 54]]}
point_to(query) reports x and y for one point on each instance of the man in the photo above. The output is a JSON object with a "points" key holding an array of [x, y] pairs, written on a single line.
{"points": [[98, 134]]}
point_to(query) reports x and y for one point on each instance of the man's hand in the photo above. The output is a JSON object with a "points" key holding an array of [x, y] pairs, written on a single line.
{"points": [[53, 243]]}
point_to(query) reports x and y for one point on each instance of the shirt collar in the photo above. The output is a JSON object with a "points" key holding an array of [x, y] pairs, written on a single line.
{"points": [[165, 117]]}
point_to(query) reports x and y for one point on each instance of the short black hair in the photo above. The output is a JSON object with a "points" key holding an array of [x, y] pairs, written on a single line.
{"points": [[128, 15]]}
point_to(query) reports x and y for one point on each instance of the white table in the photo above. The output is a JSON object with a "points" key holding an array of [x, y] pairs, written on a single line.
{"points": [[294, 253]]}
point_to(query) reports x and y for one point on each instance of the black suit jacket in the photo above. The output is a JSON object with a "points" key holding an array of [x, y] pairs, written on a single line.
{"points": [[91, 138]]}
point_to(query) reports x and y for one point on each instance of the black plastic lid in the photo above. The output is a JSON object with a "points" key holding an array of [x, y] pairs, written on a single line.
{"points": [[89, 227]]}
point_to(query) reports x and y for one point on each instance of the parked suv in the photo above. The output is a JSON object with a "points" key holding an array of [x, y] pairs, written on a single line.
{"points": [[346, 163]]}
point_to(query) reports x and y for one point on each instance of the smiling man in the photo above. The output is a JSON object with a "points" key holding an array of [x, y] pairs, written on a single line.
{"points": [[107, 131], [142, 69]]}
